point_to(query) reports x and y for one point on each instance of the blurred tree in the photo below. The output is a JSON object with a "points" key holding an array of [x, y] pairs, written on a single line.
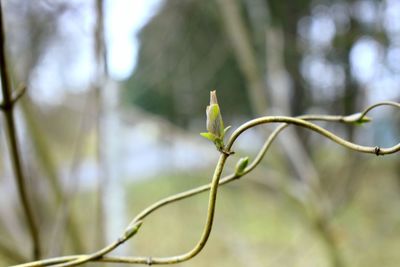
{"points": [[184, 54], [32, 30], [186, 51], [287, 16]]}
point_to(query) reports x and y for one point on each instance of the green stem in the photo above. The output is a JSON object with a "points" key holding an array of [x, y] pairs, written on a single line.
{"points": [[305, 124], [213, 186], [175, 259]]}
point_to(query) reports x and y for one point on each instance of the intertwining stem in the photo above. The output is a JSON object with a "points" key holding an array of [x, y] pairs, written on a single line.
{"points": [[313, 127], [288, 120], [180, 258]]}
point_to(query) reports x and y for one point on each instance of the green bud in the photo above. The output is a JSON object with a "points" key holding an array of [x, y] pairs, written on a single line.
{"points": [[132, 229], [241, 165], [357, 119], [215, 125]]}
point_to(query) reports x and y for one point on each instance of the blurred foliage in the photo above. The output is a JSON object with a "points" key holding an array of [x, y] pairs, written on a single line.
{"points": [[185, 53]]}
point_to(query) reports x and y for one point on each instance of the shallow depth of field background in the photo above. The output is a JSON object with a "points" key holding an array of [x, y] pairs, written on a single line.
{"points": [[115, 141]]}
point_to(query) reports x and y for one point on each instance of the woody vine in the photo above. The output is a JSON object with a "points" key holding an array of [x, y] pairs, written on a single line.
{"points": [[216, 133]]}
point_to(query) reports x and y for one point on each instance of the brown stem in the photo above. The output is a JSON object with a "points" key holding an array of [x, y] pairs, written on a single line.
{"points": [[8, 108]]}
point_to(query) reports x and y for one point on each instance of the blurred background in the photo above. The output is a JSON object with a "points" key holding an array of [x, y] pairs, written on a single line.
{"points": [[116, 99]]}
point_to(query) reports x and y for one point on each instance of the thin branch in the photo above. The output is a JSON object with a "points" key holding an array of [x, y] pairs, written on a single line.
{"points": [[129, 232], [19, 92], [239, 37], [162, 203], [305, 124], [8, 109], [300, 121], [383, 103], [183, 257]]}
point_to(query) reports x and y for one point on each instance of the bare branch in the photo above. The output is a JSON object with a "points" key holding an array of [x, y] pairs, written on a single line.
{"points": [[7, 106]]}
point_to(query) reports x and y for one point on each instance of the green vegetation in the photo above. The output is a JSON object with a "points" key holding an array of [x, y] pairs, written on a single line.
{"points": [[259, 227]]}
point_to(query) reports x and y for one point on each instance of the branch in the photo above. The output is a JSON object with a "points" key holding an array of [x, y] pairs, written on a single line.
{"points": [[240, 40], [300, 121], [19, 92], [305, 124], [8, 108], [168, 260]]}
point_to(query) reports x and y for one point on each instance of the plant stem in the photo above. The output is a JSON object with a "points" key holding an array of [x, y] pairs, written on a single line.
{"points": [[174, 259], [301, 121], [8, 109], [313, 127]]}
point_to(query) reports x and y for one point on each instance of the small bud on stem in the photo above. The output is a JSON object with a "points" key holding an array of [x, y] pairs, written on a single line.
{"points": [[241, 165], [215, 124]]}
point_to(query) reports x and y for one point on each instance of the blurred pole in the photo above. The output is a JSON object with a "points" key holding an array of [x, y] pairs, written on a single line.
{"points": [[113, 189], [111, 209], [303, 165], [98, 87], [279, 82]]}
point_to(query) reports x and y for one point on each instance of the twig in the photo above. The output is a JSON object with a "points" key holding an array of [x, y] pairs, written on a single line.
{"points": [[19, 92], [313, 127], [166, 201], [239, 37], [8, 109], [383, 103], [301, 121], [175, 259], [128, 234]]}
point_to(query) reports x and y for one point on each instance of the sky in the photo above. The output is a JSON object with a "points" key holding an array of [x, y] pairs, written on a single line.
{"points": [[68, 64], [123, 21]]}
